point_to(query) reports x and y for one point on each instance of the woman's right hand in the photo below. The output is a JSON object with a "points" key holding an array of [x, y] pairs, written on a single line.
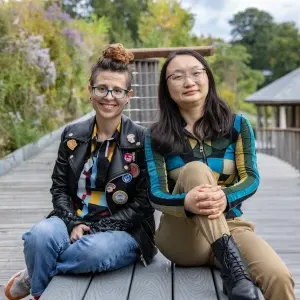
{"points": [[78, 231], [191, 200], [198, 194]]}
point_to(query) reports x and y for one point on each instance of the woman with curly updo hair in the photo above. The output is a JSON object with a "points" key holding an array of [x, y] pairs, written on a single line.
{"points": [[102, 219]]}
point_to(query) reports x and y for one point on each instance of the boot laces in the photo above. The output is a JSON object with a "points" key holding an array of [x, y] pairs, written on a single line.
{"points": [[233, 263]]}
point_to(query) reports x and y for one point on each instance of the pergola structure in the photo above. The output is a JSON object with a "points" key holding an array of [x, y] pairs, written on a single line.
{"points": [[280, 134], [283, 95]]}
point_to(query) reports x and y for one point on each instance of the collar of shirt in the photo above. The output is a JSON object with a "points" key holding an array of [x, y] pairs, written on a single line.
{"points": [[183, 124], [115, 136]]}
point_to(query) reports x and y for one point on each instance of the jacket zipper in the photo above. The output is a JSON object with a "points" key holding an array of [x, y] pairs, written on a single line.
{"points": [[149, 225], [201, 147], [202, 151], [142, 256]]}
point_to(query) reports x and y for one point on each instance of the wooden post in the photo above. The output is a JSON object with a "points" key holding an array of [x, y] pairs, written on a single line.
{"points": [[274, 116], [258, 126], [274, 133], [265, 116], [267, 135], [298, 116], [282, 117]]}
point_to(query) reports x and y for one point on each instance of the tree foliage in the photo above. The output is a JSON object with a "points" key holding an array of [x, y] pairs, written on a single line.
{"points": [[165, 24], [123, 16], [234, 78], [47, 48], [44, 59], [273, 46], [284, 52]]}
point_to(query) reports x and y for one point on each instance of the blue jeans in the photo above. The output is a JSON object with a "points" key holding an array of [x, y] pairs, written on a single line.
{"points": [[48, 252]]}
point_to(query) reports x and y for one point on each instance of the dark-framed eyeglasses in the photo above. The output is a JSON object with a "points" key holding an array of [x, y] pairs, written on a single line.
{"points": [[102, 91]]}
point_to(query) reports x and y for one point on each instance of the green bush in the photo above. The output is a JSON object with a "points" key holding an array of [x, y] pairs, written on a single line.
{"points": [[45, 58]]}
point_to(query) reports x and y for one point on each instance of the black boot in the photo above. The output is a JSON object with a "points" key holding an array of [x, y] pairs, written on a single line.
{"points": [[236, 280]]}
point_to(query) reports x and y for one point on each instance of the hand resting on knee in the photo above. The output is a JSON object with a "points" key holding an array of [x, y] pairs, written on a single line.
{"points": [[206, 200]]}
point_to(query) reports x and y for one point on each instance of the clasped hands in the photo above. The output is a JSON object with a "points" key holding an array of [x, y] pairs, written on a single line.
{"points": [[206, 200]]}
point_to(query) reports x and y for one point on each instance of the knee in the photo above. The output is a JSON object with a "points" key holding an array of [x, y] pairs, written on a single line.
{"points": [[93, 248], [107, 243], [47, 230], [197, 172], [195, 167], [105, 250]]}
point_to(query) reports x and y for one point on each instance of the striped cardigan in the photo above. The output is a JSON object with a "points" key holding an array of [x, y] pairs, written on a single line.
{"points": [[232, 159]]}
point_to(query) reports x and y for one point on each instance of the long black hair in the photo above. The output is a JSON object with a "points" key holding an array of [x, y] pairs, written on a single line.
{"points": [[168, 132]]}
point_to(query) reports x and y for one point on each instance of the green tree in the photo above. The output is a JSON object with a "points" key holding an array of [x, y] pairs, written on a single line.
{"points": [[234, 78], [166, 24], [273, 46], [284, 53], [123, 16], [254, 29], [45, 58]]}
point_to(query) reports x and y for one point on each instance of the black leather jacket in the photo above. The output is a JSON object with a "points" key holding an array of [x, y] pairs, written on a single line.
{"points": [[136, 215]]}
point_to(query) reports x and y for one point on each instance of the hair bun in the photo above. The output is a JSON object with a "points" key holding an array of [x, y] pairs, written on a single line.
{"points": [[118, 53]]}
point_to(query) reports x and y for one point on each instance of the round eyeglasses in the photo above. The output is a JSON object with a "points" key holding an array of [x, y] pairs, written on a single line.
{"points": [[180, 78], [102, 91]]}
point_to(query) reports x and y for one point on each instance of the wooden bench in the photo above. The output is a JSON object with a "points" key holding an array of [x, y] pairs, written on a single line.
{"points": [[161, 280]]}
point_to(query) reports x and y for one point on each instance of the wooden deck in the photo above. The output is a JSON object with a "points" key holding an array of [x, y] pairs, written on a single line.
{"points": [[25, 199], [161, 280]]}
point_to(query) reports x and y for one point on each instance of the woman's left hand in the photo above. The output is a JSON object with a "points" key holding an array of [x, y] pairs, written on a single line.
{"points": [[218, 202]]}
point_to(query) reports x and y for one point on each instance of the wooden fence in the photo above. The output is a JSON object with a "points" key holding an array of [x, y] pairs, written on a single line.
{"points": [[282, 143]]}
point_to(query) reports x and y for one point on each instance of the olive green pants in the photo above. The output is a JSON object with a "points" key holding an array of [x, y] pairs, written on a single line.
{"points": [[186, 241]]}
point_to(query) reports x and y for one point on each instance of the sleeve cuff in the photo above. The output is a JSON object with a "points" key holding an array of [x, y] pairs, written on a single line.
{"points": [[72, 224]]}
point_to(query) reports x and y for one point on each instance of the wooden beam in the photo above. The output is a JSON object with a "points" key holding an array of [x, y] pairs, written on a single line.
{"points": [[275, 102], [142, 53]]}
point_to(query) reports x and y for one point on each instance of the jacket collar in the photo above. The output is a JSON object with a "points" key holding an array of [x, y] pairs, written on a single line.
{"points": [[130, 135]]}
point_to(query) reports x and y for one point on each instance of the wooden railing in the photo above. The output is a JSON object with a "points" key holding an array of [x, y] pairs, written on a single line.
{"points": [[282, 143]]}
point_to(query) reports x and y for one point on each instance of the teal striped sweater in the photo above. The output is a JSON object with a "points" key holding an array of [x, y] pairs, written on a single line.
{"points": [[232, 159]]}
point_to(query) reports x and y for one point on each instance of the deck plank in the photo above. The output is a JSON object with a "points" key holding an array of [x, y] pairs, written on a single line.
{"points": [[153, 282], [67, 287], [111, 285], [193, 283]]}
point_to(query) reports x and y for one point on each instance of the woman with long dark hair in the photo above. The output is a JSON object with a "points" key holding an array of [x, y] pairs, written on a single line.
{"points": [[202, 165]]}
